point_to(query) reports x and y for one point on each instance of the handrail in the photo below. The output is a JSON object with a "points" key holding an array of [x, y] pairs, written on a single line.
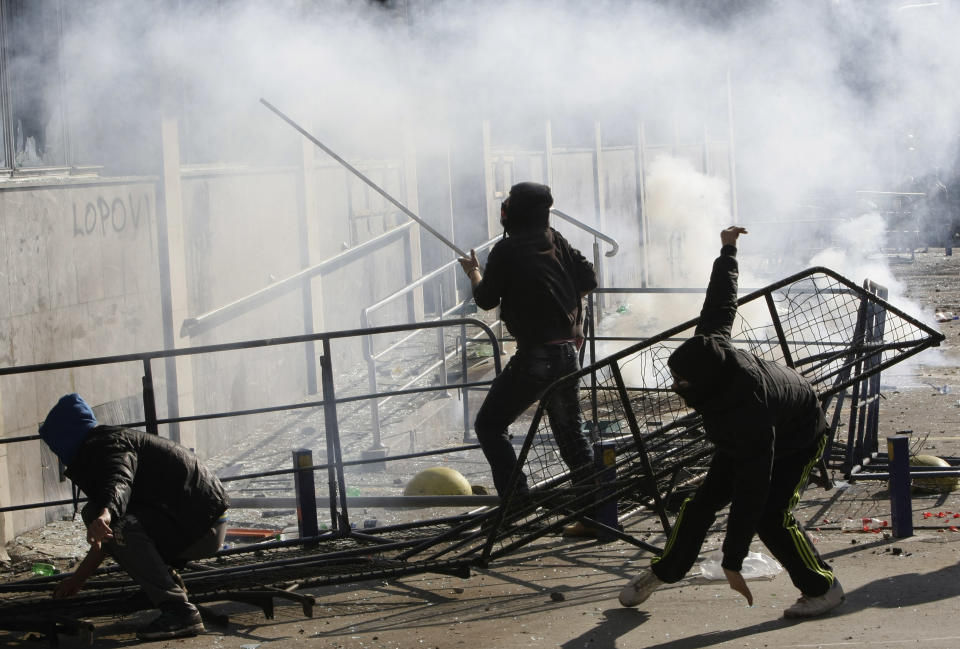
{"points": [[365, 313], [371, 356], [614, 245], [193, 326], [244, 344], [198, 324]]}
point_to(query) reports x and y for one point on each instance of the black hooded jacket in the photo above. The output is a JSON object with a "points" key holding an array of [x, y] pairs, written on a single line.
{"points": [[537, 278], [175, 497], [753, 410]]}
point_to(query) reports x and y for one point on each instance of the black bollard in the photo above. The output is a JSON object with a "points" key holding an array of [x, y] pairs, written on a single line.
{"points": [[901, 507], [306, 494]]}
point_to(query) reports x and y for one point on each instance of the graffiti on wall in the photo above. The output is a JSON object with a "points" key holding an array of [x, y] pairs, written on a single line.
{"points": [[103, 215]]}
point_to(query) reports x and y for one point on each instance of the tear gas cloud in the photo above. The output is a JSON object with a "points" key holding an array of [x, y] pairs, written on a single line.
{"points": [[824, 94]]}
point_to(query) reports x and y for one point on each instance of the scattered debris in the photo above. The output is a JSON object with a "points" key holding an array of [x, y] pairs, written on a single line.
{"points": [[874, 525], [252, 533], [941, 515], [44, 569], [756, 565]]}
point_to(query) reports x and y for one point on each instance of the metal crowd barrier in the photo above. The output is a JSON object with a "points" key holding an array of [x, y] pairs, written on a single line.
{"points": [[650, 447]]}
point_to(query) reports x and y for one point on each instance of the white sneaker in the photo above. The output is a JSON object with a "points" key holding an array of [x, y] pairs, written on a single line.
{"points": [[814, 606], [639, 588]]}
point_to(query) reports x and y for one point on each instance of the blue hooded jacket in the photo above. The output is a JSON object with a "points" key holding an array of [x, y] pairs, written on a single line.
{"points": [[67, 425]]}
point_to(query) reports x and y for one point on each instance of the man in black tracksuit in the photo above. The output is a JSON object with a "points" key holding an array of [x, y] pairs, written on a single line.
{"points": [[538, 279], [150, 504], [769, 431]]}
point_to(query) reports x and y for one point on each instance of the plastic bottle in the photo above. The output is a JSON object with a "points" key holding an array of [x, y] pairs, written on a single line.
{"points": [[863, 525], [43, 569]]}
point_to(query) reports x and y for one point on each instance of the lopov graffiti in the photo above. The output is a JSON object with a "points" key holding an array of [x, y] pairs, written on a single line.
{"points": [[103, 215]]}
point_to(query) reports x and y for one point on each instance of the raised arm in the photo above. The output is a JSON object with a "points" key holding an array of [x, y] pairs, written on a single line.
{"points": [[720, 305]]}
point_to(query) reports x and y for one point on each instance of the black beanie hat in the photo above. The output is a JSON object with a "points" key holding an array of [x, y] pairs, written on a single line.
{"points": [[701, 361], [529, 207]]}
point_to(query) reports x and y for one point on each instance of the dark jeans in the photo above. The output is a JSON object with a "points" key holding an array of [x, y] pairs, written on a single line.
{"points": [[137, 553], [520, 384], [777, 527]]}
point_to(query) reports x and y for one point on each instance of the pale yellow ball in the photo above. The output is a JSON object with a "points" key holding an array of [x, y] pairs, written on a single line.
{"points": [[438, 481]]}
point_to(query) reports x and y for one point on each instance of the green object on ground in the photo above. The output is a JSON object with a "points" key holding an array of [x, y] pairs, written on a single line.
{"points": [[43, 569]]}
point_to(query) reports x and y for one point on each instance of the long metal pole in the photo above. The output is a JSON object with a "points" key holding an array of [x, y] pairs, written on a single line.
{"points": [[731, 153], [400, 206]]}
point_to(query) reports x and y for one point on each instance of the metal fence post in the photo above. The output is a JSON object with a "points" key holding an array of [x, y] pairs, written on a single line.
{"points": [[441, 341], [150, 401], [465, 392], [605, 457], [306, 494]]}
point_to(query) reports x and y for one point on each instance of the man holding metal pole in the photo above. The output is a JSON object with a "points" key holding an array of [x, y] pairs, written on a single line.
{"points": [[538, 279]]}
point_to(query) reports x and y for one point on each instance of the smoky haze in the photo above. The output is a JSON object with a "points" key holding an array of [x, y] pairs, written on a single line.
{"points": [[827, 98]]}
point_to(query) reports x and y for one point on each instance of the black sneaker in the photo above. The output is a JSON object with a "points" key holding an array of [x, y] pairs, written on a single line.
{"points": [[174, 622]]}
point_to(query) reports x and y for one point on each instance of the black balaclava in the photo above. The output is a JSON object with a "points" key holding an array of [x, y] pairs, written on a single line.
{"points": [[528, 208], [701, 361]]}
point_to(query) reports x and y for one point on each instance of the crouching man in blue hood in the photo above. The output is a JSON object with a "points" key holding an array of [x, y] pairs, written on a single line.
{"points": [[151, 505], [769, 431]]}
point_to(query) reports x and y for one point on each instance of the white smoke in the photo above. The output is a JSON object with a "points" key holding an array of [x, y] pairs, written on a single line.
{"points": [[686, 210], [822, 97], [821, 91]]}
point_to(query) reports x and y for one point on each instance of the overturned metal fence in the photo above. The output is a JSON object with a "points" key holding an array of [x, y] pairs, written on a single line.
{"points": [[649, 447]]}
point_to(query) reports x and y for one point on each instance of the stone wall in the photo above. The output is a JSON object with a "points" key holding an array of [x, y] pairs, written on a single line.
{"points": [[78, 278]]}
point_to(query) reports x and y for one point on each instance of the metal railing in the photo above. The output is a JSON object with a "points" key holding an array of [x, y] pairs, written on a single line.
{"points": [[436, 278], [245, 304], [329, 403]]}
